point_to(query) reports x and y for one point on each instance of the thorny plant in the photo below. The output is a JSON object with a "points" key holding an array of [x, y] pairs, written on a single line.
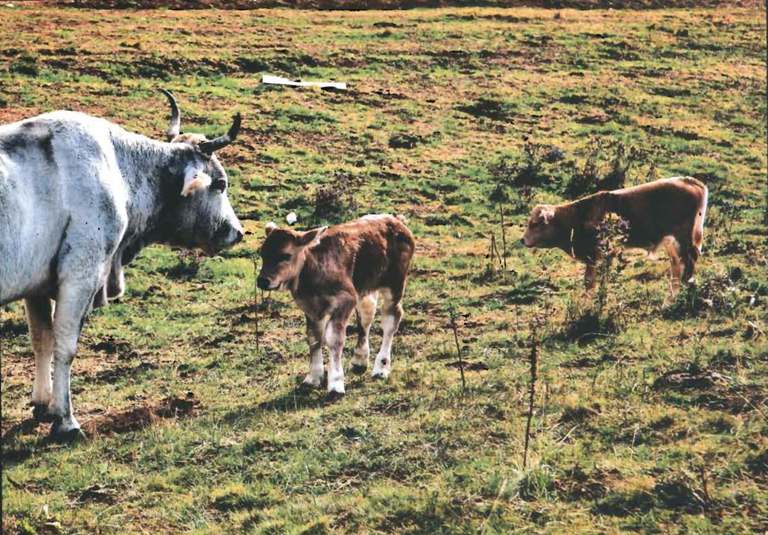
{"points": [[585, 322], [533, 360], [612, 236], [719, 224], [336, 201], [510, 174], [607, 166]]}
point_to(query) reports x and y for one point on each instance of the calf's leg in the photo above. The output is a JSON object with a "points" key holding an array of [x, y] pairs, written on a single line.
{"points": [[589, 276], [391, 314], [690, 256], [334, 336], [316, 368], [40, 321], [366, 310], [676, 266]]}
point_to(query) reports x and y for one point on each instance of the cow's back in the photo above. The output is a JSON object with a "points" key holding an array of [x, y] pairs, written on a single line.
{"points": [[51, 172], [385, 252], [379, 248], [660, 208]]}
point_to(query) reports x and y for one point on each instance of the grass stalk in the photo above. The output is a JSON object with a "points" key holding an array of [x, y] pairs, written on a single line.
{"points": [[460, 360], [533, 359]]}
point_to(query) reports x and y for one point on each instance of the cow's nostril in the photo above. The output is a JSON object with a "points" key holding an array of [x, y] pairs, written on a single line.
{"points": [[238, 236]]}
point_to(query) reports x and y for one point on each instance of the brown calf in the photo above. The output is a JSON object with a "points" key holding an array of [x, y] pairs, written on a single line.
{"points": [[332, 271], [669, 211]]}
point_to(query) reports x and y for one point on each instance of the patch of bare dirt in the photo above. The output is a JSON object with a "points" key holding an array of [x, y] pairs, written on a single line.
{"points": [[138, 418], [712, 390]]}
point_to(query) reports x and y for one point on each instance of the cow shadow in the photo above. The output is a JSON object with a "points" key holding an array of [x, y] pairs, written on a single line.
{"points": [[12, 454], [15, 451]]}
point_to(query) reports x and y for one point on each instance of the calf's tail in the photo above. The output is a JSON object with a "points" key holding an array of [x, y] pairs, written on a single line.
{"points": [[701, 213]]}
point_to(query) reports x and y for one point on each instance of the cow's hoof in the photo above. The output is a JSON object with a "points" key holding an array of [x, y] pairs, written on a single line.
{"points": [[40, 413], [72, 436], [333, 395], [380, 375], [358, 368]]}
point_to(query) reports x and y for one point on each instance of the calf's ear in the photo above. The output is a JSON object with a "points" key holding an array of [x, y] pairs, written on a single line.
{"points": [[311, 237]]}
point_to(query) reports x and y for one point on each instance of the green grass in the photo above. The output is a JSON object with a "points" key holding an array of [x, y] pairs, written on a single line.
{"points": [[196, 425]]}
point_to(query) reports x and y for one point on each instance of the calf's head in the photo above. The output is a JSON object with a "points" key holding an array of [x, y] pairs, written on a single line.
{"points": [[201, 214], [283, 254], [542, 229]]}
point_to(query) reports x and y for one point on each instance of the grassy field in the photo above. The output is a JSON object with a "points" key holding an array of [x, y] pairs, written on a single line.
{"points": [[651, 414]]}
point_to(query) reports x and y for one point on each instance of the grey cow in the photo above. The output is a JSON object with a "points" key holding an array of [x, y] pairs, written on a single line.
{"points": [[79, 198]]}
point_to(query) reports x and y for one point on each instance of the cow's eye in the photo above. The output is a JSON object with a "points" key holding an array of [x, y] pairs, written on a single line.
{"points": [[284, 257], [219, 185]]}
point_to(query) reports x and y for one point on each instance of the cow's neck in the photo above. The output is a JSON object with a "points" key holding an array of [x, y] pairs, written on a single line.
{"points": [[312, 278], [152, 171], [578, 239]]}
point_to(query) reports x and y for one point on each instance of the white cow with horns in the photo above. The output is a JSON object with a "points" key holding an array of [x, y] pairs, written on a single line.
{"points": [[79, 198]]}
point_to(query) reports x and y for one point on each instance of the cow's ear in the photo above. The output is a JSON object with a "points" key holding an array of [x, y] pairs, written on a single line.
{"points": [[269, 227], [547, 213], [194, 179], [311, 237]]}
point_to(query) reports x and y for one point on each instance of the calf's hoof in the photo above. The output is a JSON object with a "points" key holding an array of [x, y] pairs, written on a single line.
{"points": [[40, 413], [309, 383], [333, 395], [380, 374], [359, 368]]}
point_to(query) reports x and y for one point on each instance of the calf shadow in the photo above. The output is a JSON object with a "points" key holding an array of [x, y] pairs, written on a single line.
{"points": [[296, 399]]}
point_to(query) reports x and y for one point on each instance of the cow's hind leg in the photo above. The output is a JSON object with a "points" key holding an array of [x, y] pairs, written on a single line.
{"points": [[391, 314], [316, 369], [366, 310], [40, 321]]}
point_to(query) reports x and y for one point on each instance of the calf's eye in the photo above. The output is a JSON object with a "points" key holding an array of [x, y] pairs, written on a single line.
{"points": [[284, 257]]}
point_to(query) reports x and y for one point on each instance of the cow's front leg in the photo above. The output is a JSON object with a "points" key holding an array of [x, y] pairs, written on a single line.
{"points": [[72, 305], [334, 336], [40, 321], [314, 339]]}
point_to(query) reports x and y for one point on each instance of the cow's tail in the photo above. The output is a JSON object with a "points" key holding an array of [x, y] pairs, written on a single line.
{"points": [[698, 223]]}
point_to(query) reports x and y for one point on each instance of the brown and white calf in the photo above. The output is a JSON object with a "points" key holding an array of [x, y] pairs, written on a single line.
{"points": [[669, 211], [331, 271]]}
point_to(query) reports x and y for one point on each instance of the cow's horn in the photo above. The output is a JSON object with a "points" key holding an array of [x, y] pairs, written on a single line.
{"points": [[209, 147], [174, 128]]}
